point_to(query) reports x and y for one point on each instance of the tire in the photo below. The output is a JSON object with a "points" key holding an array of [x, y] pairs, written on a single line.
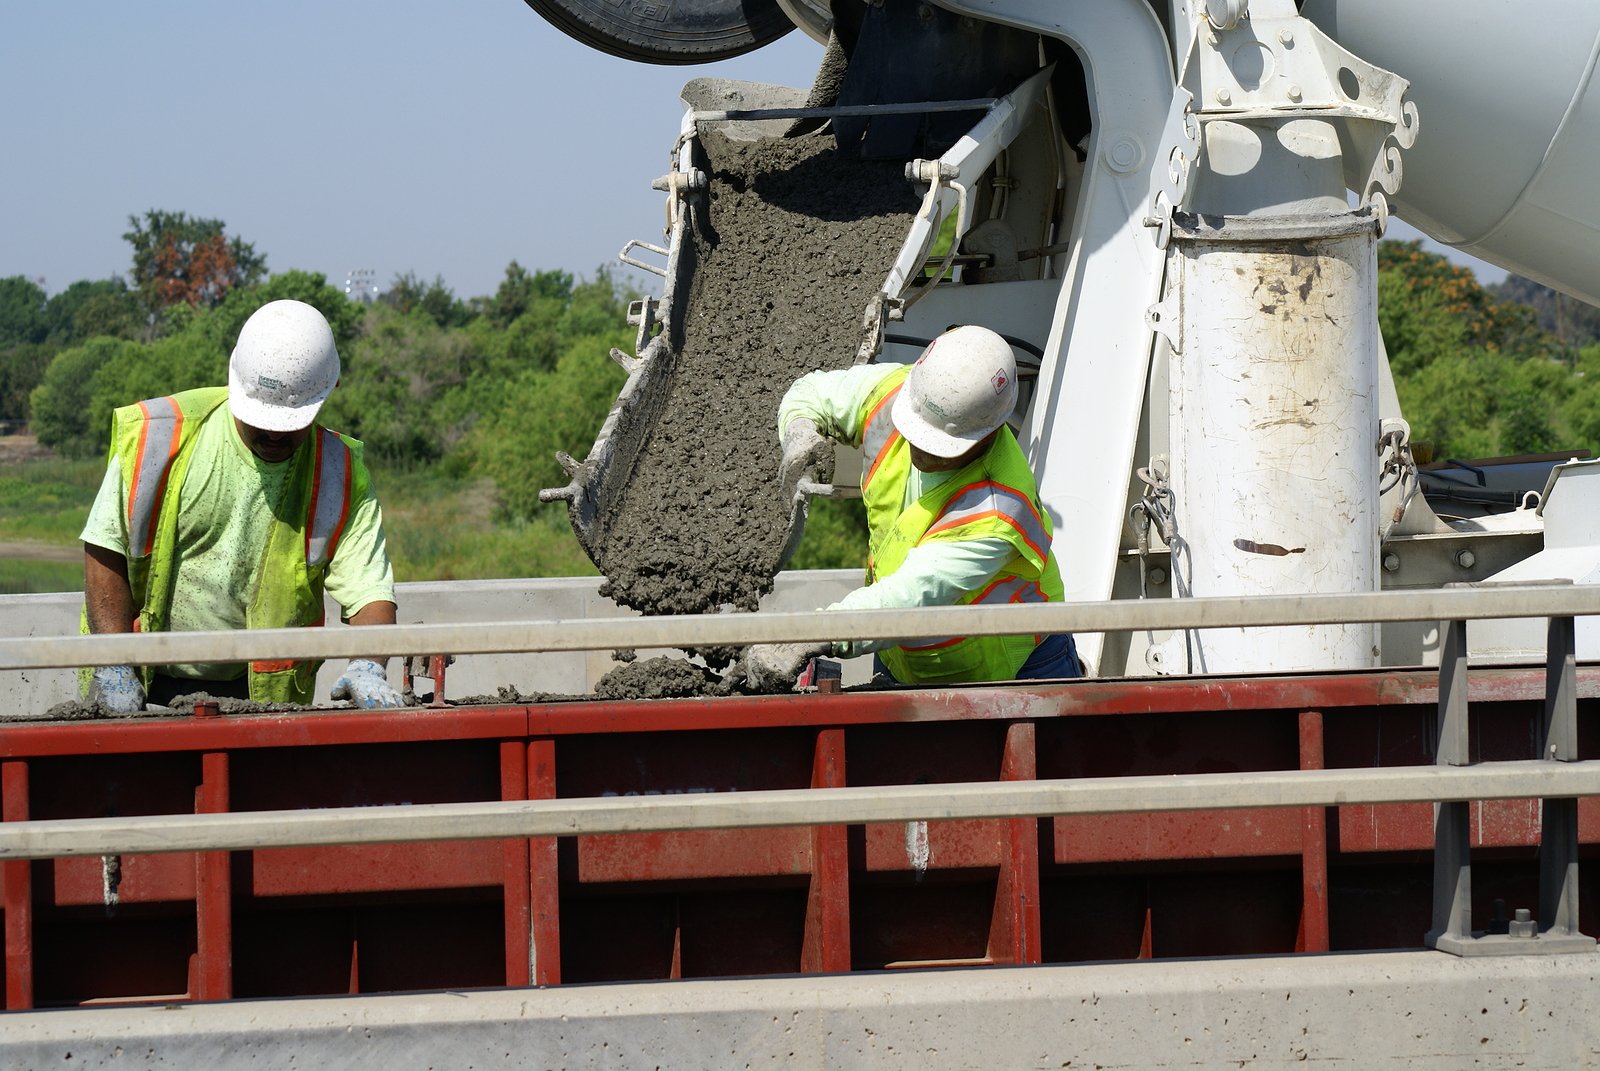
{"points": [[693, 31]]}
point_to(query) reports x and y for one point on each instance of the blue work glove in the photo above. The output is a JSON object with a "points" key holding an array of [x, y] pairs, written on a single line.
{"points": [[117, 689], [773, 667], [365, 685]]}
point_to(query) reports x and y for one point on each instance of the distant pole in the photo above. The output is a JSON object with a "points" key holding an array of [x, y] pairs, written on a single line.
{"points": [[361, 284]]}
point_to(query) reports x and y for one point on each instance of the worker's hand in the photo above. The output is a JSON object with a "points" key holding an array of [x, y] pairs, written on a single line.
{"points": [[806, 455], [117, 689], [773, 667], [365, 685]]}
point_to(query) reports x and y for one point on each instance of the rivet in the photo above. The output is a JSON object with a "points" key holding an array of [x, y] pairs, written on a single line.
{"points": [[1224, 97], [1286, 37]]}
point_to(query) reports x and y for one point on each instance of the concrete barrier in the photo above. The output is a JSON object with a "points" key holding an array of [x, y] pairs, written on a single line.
{"points": [[1423, 1011]]}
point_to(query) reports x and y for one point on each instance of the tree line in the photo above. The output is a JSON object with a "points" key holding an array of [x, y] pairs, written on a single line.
{"points": [[487, 386], [495, 385]]}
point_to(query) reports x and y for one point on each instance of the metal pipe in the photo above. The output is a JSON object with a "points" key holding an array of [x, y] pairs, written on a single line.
{"points": [[165, 648], [794, 807]]}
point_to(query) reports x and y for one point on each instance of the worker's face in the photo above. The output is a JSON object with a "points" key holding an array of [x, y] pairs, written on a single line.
{"points": [[271, 446], [927, 462]]}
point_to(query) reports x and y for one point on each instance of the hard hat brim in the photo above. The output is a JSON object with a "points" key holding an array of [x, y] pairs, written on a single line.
{"points": [[258, 414], [927, 438]]}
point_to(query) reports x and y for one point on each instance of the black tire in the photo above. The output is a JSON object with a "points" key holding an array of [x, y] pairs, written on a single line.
{"points": [[693, 31]]}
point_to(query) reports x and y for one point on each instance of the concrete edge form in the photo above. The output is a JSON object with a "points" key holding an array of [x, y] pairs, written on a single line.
{"points": [[1419, 1010]]}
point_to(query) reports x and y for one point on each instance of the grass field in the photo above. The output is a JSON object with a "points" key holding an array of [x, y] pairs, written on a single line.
{"points": [[438, 528]]}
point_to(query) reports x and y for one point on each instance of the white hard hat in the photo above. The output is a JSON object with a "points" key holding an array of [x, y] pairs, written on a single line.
{"points": [[283, 367], [962, 387]]}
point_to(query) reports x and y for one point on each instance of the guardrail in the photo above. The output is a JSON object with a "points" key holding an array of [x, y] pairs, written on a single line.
{"points": [[1555, 775], [1474, 602]]}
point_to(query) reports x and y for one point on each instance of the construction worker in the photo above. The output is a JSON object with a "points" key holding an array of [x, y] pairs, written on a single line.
{"points": [[228, 507], [952, 508]]}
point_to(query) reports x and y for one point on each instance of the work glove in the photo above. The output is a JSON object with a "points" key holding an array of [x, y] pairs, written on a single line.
{"points": [[806, 456], [365, 685], [117, 689], [773, 667]]}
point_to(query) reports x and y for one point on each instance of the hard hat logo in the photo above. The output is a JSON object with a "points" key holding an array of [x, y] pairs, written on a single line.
{"points": [[283, 367], [1000, 380]]}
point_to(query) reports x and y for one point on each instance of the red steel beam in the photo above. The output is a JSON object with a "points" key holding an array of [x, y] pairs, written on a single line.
{"points": [[518, 898], [18, 902], [1313, 846], [1017, 700], [213, 890], [1015, 934], [827, 925], [543, 872]]}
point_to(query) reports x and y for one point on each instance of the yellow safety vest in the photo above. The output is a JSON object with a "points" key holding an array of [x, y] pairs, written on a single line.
{"points": [[153, 442], [993, 497]]}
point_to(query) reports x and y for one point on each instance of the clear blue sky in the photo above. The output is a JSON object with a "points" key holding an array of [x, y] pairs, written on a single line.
{"points": [[445, 137]]}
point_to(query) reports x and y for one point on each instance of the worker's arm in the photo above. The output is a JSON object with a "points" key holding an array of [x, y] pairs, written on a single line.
{"points": [[832, 400], [361, 580], [933, 574], [107, 595]]}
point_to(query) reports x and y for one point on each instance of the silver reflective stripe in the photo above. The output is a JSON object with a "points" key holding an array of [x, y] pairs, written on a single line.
{"points": [[158, 443], [993, 499], [1012, 589], [879, 430], [330, 498]]}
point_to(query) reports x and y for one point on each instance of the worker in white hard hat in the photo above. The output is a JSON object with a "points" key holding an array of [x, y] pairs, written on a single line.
{"points": [[228, 508], [952, 508]]}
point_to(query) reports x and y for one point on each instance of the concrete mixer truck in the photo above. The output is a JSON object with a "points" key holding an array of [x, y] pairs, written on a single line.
{"points": [[1326, 796]]}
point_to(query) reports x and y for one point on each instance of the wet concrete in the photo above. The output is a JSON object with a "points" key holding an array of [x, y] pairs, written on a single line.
{"points": [[795, 244]]}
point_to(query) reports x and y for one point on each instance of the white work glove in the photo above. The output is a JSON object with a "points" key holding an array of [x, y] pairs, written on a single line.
{"points": [[773, 667], [117, 689], [365, 685], [806, 455]]}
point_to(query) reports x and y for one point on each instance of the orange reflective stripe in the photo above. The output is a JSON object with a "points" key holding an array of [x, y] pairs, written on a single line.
{"points": [[277, 666]]}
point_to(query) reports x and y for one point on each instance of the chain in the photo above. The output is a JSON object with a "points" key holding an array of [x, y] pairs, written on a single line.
{"points": [[1399, 468]]}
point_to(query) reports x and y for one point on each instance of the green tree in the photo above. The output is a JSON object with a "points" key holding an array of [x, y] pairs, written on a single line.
{"points": [[22, 304], [178, 260], [402, 398], [408, 293], [88, 309], [542, 412], [60, 412], [22, 369]]}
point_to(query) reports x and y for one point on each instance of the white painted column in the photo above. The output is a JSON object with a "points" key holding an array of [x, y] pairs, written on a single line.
{"points": [[1273, 428]]}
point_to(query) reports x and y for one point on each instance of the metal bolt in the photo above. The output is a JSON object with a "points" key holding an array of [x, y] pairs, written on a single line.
{"points": [[1158, 577], [1286, 37], [1523, 925], [1294, 93], [1224, 97], [1391, 562], [1466, 559]]}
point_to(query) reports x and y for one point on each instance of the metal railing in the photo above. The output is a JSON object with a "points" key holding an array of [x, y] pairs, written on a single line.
{"points": [[1554, 775]]}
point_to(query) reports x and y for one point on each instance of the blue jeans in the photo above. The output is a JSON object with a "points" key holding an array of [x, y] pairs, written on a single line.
{"points": [[1054, 659]]}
